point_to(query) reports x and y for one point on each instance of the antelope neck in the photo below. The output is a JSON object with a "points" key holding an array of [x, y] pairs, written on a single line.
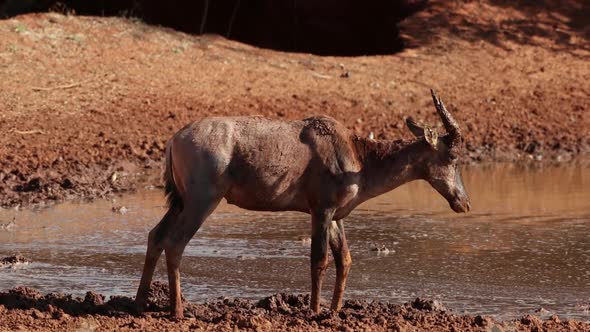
{"points": [[387, 165]]}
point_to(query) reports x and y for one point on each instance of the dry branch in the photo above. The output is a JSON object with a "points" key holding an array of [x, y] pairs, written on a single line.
{"points": [[26, 132], [58, 87]]}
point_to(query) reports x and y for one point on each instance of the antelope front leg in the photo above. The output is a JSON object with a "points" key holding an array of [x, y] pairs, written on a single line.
{"points": [[342, 260], [320, 223], [173, 258]]}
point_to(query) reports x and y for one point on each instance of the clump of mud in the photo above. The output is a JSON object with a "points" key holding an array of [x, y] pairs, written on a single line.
{"points": [[279, 311], [92, 303], [430, 305], [158, 299]]}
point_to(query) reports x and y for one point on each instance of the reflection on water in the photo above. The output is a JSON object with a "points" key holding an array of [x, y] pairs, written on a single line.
{"points": [[524, 246]]}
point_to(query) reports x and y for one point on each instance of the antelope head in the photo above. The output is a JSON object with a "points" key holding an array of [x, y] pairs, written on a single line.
{"points": [[440, 164]]}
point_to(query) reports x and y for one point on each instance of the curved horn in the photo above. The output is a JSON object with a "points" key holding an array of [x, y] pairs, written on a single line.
{"points": [[449, 122]]}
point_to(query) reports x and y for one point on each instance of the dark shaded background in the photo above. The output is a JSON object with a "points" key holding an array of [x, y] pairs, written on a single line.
{"points": [[337, 27]]}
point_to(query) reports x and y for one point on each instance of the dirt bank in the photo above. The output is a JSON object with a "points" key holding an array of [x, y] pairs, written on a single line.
{"points": [[26, 309], [87, 103]]}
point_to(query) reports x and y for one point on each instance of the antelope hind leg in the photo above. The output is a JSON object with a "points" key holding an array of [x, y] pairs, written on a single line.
{"points": [[342, 260], [320, 223]]}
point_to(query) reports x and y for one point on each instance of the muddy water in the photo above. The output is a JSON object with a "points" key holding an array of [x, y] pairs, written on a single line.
{"points": [[524, 246]]}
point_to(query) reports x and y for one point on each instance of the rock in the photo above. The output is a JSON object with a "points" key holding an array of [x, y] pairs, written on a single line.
{"points": [[257, 323], [306, 240], [33, 185], [113, 177], [158, 296], [91, 324], [381, 321], [94, 299], [67, 184], [482, 321], [119, 209], [269, 303], [9, 225], [12, 261], [38, 314], [430, 305], [118, 303], [243, 323], [25, 292], [542, 311], [532, 321], [355, 304], [57, 313], [284, 303], [496, 328], [380, 249]]}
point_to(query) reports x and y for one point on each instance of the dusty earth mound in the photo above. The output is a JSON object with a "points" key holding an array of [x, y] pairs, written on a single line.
{"points": [[87, 103], [25, 308]]}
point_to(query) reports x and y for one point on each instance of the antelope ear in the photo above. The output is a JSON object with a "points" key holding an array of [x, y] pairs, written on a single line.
{"points": [[431, 136], [414, 127]]}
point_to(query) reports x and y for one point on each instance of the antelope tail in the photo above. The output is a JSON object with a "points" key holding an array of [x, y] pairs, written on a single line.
{"points": [[172, 196]]}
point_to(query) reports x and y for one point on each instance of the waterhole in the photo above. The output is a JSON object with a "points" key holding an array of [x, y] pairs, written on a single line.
{"points": [[524, 246]]}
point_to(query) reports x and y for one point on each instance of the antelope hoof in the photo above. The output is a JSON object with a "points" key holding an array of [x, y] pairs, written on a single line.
{"points": [[336, 307], [177, 314], [139, 305], [315, 308]]}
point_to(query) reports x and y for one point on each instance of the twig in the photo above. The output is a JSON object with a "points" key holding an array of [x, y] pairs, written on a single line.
{"points": [[233, 18], [64, 86], [204, 17], [119, 34], [418, 82], [322, 76], [295, 25], [26, 132]]}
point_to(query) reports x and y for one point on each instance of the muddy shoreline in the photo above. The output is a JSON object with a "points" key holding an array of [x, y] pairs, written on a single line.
{"points": [[24, 308]]}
